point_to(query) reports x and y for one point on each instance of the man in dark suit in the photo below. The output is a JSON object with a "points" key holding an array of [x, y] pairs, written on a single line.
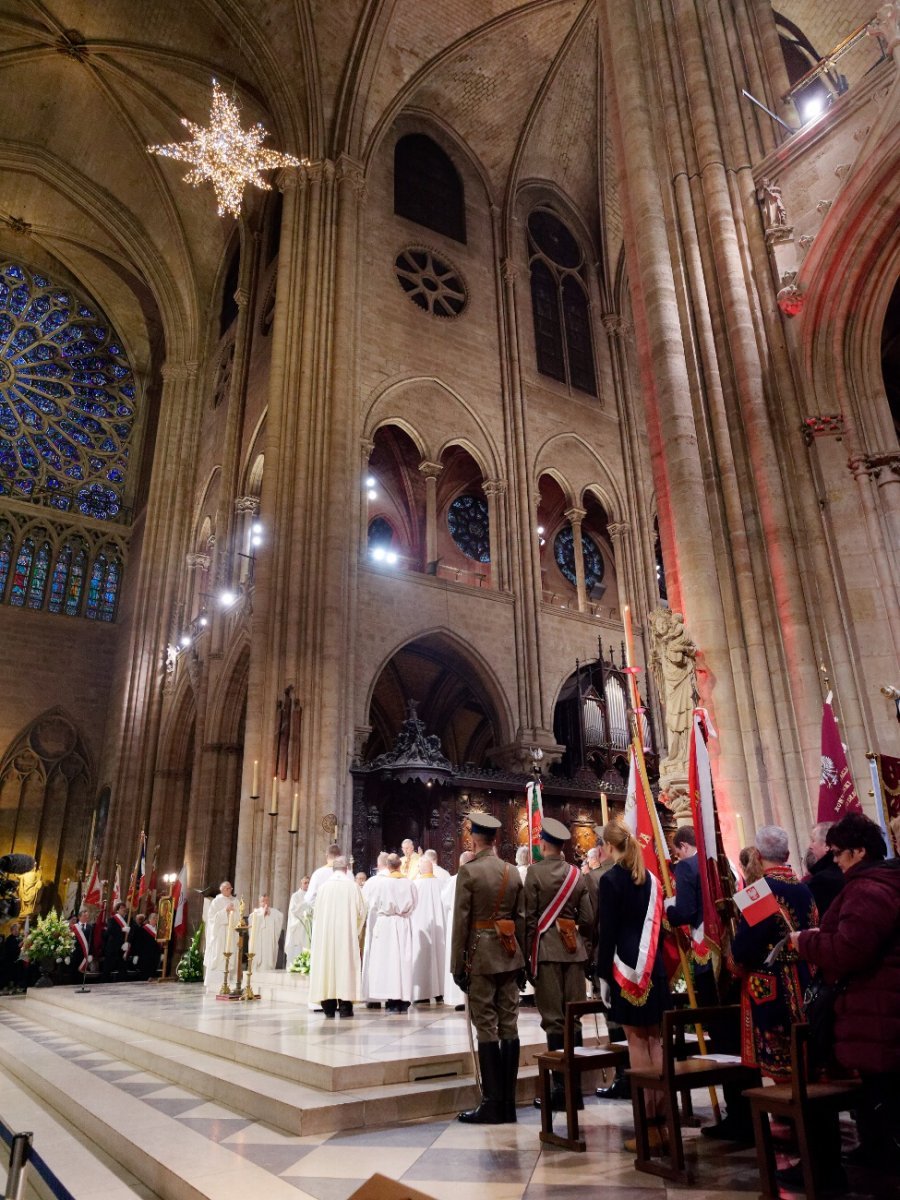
{"points": [[80, 961], [486, 962], [115, 941], [825, 878]]}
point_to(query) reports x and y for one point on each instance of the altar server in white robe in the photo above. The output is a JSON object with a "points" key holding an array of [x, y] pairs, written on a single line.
{"points": [[440, 873], [429, 935], [368, 890], [452, 994], [321, 874], [390, 967], [335, 972], [296, 938], [216, 933], [265, 924]]}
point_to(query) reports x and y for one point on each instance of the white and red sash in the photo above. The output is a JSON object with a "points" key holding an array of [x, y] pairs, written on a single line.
{"points": [[83, 943], [635, 981], [551, 912]]}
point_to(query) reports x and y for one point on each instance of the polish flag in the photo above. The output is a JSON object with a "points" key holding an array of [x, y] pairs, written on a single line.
{"points": [[179, 902], [93, 894], [116, 896], [756, 902], [641, 818], [703, 812]]}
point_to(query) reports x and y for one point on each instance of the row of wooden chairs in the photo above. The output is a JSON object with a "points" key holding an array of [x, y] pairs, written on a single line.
{"points": [[800, 1101]]}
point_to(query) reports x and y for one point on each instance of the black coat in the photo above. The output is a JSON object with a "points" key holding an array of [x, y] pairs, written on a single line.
{"points": [[622, 910], [825, 881]]}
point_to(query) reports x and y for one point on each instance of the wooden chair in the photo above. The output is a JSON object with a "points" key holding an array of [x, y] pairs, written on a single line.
{"points": [[571, 1062], [797, 1101], [681, 1073]]}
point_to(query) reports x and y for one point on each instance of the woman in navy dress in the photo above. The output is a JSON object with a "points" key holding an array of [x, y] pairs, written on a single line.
{"points": [[629, 959]]}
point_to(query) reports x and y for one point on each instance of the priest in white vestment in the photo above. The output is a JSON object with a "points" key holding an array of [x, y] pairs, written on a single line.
{"points": [[216, 933], [321, 874], [409, 859], [335, 976], [389, 975], [265, 924], [440, 872], [381, 871], [296, 937], [452, 994], [429, 935]]}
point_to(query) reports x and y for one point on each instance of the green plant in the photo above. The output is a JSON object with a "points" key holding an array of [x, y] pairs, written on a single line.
{"points": [[50, 938], [300, 965], [190, 966]]}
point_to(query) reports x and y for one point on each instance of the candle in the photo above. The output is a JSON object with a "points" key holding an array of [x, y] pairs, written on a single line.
{"points": [[742, 837], [230, 932], [273, 808], [251, 948], [254, 787], [295, 813], [604, 807]]}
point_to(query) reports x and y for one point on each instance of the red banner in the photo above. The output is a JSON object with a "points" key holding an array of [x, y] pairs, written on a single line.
{"points": [[837, 794]]}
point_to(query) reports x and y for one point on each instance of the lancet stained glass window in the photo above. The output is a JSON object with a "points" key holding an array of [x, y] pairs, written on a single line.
{"points": [[58, 580], [103, 586], [38, 583], [564, 553], [6, 549], [21, 573], [76, 583], [559, 303], [467, 520], [67, 398]]}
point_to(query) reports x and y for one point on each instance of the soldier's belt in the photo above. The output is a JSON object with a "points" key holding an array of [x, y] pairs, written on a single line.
{"points": [[486, 925], [505, 931]]}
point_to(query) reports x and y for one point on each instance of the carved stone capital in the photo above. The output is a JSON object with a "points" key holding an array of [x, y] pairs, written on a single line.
{"points": [[618, 530], [508, 270], [430, 470], [495, 487], [178, 372], [366, 447], [197, 562], [886, 26], [242, 297], [247, 504], [575, 515], [883, 468], [614, 324], [351, 172]]}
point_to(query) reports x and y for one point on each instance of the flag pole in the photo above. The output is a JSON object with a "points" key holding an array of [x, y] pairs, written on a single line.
{"points": [[638, 746]]}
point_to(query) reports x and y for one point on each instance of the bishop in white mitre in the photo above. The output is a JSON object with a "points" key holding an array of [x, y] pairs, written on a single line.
{"points": [[296, 937], [335, 971], [265, 924], [389, 970], [216, 934], [452, 994], [429, 929]]}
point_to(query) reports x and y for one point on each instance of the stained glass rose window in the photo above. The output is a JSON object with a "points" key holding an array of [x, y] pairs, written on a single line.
{"points": [[564, 553], [67, 398], [467, 519]]}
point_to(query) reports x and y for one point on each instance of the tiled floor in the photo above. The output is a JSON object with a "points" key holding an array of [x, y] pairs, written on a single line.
{"points": [[442, 1158]]}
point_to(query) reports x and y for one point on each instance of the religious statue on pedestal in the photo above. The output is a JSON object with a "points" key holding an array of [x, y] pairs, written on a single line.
{"points": [[673, 660]]}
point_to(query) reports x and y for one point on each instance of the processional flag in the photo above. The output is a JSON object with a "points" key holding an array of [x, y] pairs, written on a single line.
{"points": [[886, 786], [837, 794], [93, 892], [703, 812], [116, 896], [179, 902], [641, 817], [534, 794]]}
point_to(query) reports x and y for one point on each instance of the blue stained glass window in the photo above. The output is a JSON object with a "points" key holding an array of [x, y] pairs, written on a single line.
{"points": [[58, 580], [37, 585], [110, 592], [21, 573], [6, 547], [95, 584], [76, 583], [564, 553], [66, 389], [467, 520]]}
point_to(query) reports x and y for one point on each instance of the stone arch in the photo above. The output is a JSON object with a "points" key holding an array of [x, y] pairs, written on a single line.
{"points": [[586, 470], [46, 797]]}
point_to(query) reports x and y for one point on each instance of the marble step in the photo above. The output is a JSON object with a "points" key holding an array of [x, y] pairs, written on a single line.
{"points": [[172, 1161], [292, 1107], [80, 1165]]}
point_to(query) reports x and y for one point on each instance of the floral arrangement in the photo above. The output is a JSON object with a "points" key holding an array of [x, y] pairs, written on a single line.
{"points": [[190, 966], [50, 938], [300, 965]]}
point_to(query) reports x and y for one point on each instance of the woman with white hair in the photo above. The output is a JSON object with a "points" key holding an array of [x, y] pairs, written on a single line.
{"points": [[772, 995]]}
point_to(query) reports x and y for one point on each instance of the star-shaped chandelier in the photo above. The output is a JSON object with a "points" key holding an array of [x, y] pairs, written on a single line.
{"points": [[226, 155]]}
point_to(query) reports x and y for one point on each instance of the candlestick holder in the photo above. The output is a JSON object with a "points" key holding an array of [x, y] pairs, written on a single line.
{"points": [[248, 993], [224, 990]]}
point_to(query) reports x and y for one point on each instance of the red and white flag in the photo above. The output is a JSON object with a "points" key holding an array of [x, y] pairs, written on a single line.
{"points": [[93, 891], [756, 902], [703, 813], [116, 896], [179, 902], [837, 795], [641, 817]]}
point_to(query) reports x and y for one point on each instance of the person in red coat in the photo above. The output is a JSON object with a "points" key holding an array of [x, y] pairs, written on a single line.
{"points": [[857, 949]]}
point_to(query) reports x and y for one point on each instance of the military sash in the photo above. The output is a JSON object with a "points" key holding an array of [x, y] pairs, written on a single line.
{"points": [[83, 943], [634, 981], [551, 912]]}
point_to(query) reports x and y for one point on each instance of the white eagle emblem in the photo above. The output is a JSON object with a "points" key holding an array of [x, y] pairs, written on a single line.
{"points": [[829, 774]]}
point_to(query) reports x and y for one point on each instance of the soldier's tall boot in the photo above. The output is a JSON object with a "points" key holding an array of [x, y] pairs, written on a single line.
{"points": [[555, 1041], [509, 1067], [490, 1110]]}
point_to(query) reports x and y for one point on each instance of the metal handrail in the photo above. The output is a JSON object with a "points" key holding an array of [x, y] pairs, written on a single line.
{"points": [[21, 1154], [825, 64]]}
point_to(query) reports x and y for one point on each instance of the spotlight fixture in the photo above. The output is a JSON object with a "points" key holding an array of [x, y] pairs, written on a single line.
{"points": [[226, 599], [391, 557], [184, 640], [370, 481], [813, 108], [379, 553], [203, 622], [372, 494]]}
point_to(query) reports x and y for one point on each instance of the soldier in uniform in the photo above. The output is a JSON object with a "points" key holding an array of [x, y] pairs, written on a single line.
{"points": [[559, 917], [487, 960]]}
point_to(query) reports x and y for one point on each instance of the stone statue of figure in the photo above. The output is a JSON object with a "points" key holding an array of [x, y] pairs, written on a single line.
{"points": [[770, 194], [31, 885], [673, 658]]}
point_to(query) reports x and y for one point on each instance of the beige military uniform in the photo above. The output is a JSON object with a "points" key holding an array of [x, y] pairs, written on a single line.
{"points": [[477, 950], [560, 973]]}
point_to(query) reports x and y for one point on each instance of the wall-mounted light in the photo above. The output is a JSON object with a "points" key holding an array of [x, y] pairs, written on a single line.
{"points": [[370, 481], [227, 598], [184, 640], [813, 108]]}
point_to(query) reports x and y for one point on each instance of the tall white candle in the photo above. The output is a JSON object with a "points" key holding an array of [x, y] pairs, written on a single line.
{"points": [[229, 932], [604, 807], [273, 807], [254, 787], [251, 948], [295, 813]]}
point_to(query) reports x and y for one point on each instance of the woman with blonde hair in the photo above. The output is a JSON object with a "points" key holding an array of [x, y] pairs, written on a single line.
{"points": [[630, 969]]}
